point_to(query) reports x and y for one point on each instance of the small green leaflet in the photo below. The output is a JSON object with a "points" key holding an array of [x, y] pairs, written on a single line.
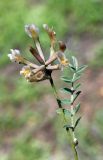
{"points": [[76, 109], [62, 110], [66, 101], [76, 123], [67, 90], [77, 86], [75, 62], [81, 69], [76, 95], [65, 79], [67, 112], [75, 78], [72, 68]]}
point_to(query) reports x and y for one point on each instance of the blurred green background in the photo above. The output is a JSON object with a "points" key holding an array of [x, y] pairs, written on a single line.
{"points": [[29, 126]]}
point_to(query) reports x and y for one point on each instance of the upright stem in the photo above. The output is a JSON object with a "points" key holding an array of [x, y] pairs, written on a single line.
{"points": [[72, 124], [55, 93], [60, 106], [72, 115]]}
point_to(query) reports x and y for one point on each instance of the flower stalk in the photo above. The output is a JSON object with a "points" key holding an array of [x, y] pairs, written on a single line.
{"points": [[36, 73], [71, 136]]}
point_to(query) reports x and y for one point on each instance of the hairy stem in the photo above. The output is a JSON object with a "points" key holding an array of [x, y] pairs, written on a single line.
{"points": [[68, 131]]}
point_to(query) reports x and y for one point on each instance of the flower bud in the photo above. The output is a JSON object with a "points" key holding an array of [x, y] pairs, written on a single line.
{"points": [[62, 46], [32, 30], [36, 77], [50, 32]]}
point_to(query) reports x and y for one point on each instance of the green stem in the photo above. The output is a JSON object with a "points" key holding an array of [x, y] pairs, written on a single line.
{"points": [[72, 124], [75, 152], [60, 106], [55, 92]]}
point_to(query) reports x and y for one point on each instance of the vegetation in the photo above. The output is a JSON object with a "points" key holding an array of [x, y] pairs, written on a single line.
{"points": [[18, 99]]}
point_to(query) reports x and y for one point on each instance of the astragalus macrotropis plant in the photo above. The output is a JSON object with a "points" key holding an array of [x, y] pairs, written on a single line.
{"points": [[56, 61]]}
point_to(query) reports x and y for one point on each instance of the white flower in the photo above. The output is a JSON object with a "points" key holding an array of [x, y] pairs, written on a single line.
{"points": [[62, 58], [15, 56], [30, 76], [32, 30], [26, 71]]}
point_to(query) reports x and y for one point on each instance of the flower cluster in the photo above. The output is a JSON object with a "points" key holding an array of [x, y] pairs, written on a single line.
{"points": [[33, 72]]}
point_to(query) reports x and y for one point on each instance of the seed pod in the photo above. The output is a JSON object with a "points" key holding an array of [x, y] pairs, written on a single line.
{"points": [[36, 55], [62, 46], [39, 76]]}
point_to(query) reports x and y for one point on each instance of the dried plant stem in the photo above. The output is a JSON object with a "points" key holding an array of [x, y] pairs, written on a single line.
{"points": [[39, 48], [70, 134], [25, 61]]}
